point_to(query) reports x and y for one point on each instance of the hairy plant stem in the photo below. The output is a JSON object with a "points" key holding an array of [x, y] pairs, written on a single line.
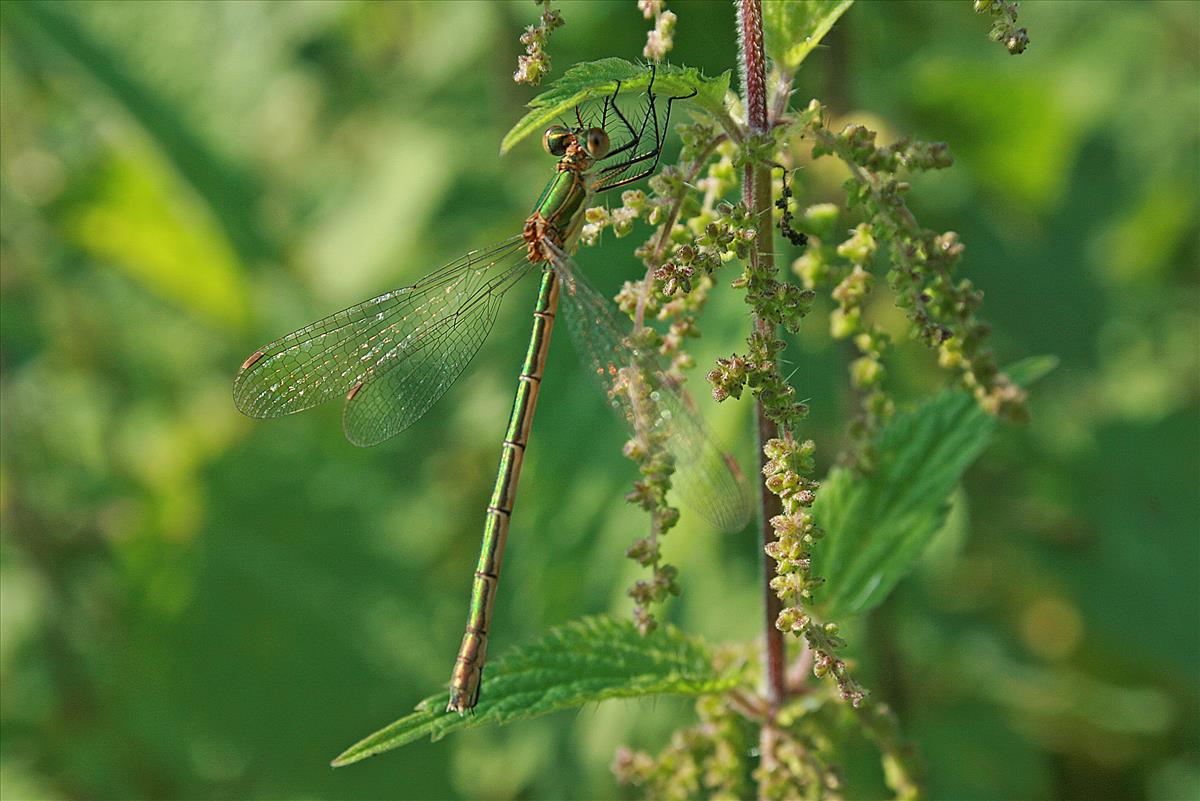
{"points": [[756, 194], [783, 93]]}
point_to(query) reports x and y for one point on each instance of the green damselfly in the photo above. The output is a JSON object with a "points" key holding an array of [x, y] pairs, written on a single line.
{"points": [[393, 356]]}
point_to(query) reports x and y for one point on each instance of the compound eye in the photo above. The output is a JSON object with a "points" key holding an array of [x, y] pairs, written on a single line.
{"points": [[597, 143], [555, 140]]}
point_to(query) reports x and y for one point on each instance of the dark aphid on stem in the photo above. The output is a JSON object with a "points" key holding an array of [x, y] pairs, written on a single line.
{"points": [[797, 238]]}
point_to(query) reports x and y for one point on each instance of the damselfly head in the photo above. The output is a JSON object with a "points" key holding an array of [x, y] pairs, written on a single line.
{"points": [[556, 140], [593, 141], [596, 142]]}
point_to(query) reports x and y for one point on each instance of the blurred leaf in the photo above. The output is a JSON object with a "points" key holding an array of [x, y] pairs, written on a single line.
{"points": [[138, 224], [1144, 241], [582, 662], [880, 524], [228, 191], [985, 128], [946, 543], [597, 79], [794, 28], [1137, 489]]}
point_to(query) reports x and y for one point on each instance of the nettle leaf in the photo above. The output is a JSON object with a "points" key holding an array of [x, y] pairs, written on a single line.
{"points": [[878, 526], [794, 28], [582, 662], [594, 80]]}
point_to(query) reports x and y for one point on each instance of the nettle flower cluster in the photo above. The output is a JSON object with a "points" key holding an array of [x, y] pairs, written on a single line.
{"points": [[638, 383], [532, 66], [694, 235], [788, 472], [661, 39], [713, 759], [698, 232], [705, 760]]}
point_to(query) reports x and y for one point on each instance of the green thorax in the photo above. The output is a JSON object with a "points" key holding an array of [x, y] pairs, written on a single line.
{"points": [[562, 204]]}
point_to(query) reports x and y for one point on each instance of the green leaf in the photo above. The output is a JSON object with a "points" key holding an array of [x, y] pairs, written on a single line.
{"points": [[584, 661], [597, 79], [878, 525], [130, 218], [793, 28], [229, 190]]}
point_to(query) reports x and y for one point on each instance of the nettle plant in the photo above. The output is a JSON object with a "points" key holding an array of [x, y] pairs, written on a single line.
{"points": [[769, 711]]}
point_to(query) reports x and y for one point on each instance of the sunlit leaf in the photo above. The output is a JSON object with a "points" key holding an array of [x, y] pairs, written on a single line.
{"points": [[582, 662], [878, 525], [597, 79], [229, 191], [982, 128], [794, 28], [135, 221]]}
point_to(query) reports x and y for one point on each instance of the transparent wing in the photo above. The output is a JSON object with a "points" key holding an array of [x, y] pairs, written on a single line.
{"points": [[426, 332], [398, 396], [708, 480]]}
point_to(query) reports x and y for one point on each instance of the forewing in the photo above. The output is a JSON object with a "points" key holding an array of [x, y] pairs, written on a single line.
{"points": [[708, 480], [333, 356], [397, 397]]}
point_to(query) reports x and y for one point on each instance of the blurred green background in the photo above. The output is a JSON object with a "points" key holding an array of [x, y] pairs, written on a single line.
{"points": [[199, 606]]}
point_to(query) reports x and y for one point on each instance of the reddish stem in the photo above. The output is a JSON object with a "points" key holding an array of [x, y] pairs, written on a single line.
{"points": [[756, 194]]}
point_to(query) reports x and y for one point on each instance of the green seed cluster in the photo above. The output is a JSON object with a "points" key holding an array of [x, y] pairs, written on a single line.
{"points": [[777, 302], [871, 342], [844, 271], [802, 770], [940, 308], [1004, 29], [672, 294], [636, 385], [703, 761]]}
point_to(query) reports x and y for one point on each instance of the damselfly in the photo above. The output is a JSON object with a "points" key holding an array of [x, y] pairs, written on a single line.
{"points": [[393, 356]]}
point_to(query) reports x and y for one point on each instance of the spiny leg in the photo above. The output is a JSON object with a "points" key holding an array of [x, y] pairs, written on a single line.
{"points": [[613, 173], [610, 101], [635, 137], [651, 114]]}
